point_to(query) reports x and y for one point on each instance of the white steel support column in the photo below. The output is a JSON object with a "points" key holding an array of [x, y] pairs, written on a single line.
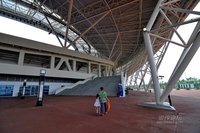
{"points": [[154, 15], [154, 73], [191, 39], [149, 49], [182, 66], [190, 48]]}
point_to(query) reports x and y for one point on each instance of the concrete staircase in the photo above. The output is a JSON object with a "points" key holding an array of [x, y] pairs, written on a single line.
{"points": [[92, 87]]}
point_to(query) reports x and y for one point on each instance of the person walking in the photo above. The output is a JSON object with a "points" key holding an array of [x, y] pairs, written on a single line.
{"points": [[97, 105], [103, 101]]}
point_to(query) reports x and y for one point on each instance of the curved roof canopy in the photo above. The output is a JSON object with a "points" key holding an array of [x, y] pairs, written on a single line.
{"points": [[107, 28]]}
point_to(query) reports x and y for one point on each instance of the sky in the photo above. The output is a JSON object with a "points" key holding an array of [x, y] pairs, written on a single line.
{"points": [[15, 28], [173, 53]]}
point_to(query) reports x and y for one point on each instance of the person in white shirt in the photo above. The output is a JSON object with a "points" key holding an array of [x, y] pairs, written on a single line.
{"points": [[97, 105]]}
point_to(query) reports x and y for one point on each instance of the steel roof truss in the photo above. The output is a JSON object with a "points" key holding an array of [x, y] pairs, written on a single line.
{"points": [[68, 21]]}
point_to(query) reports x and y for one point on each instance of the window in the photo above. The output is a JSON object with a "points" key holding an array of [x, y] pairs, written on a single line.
{"points": [[6, 90], [32, 90]]}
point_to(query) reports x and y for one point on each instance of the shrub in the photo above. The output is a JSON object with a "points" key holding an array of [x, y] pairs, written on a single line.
{"points": [[126, 92]]}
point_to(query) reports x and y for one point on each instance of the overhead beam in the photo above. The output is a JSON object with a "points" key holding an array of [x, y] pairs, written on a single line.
{"points": [[140, 21], [190, 41], [170, 23], [177, 24], [90, 23], [112, 9], [167, 40], [170, 2], [114, 45], [68, 21], [181, 10], [118, 35], [54, 31], [82, 34]]}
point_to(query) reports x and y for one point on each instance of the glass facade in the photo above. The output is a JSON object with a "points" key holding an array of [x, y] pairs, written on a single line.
{"points": [[32, 90], [6, 90]]}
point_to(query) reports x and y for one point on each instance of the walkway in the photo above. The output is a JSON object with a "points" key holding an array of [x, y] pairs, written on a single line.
{"points": [[76, 115]]}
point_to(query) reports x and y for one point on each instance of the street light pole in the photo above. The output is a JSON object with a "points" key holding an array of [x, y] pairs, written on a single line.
{"points": [[23, 89], [41, 87]]}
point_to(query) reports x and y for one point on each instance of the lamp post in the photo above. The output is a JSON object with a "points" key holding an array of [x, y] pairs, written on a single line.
{"points": [[23, 89], [41, 87]]}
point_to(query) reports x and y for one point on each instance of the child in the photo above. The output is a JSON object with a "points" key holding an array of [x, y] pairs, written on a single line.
{"points": [[97, 104]]}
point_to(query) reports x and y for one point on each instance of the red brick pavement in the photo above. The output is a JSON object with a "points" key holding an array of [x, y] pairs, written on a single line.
{"points": [[76, 115]]}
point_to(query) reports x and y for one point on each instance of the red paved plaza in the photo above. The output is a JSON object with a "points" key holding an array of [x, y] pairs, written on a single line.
{"points": [[76, 115]]}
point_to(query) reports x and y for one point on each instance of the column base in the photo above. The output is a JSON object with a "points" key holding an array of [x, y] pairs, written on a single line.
{"points": [[39, 103], [164, 106]]}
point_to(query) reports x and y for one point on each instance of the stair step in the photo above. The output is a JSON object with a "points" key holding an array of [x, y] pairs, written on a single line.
{"points": [[92, 87]]}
